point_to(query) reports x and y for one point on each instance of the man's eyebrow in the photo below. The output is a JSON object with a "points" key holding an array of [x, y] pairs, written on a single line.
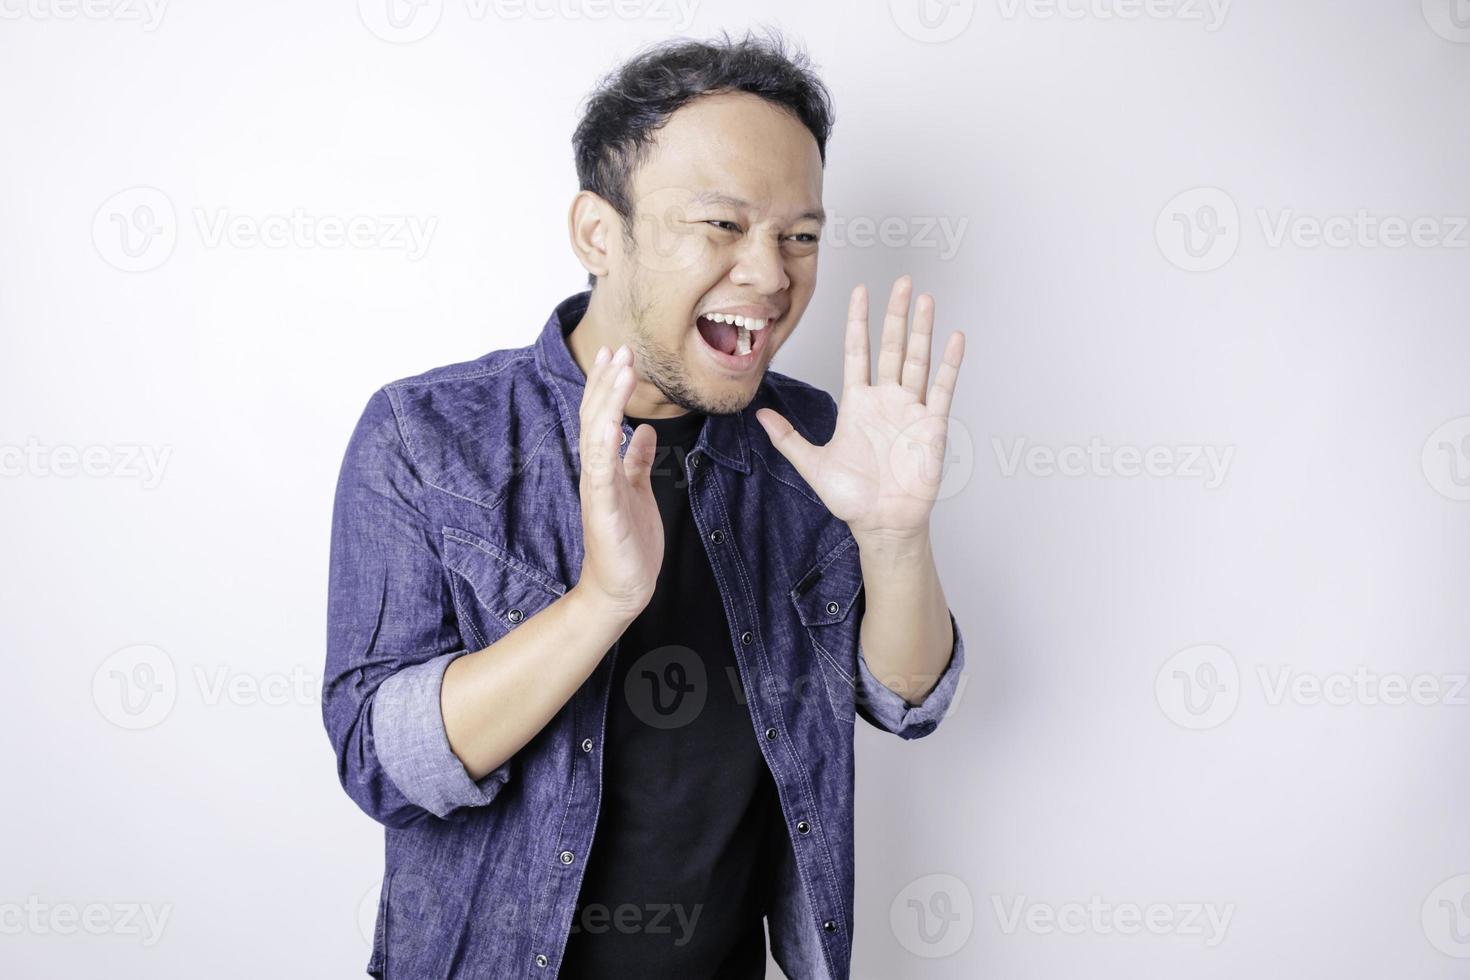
{"points": [[715, 197]]}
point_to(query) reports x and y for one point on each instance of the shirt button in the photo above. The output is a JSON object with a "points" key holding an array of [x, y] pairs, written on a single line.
{"points": [[802, 826], [746, 637], [624, 439], [566, 857], [586, 745], [829, 925], [832, 608], [695, 457], [515, 615], [541, 959], [770, 734], [717, 535]]}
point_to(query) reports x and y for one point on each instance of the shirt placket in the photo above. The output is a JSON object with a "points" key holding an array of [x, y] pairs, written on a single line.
{"points": [[584, 803], [767, 718]]}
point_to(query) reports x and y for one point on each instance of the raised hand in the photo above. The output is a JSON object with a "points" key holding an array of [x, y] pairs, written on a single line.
{"points": [[622, 532], [882, 468]]}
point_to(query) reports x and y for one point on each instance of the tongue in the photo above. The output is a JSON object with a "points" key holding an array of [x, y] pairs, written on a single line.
{"points": [[720, 336]]}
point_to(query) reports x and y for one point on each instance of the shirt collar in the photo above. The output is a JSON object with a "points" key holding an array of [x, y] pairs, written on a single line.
{"points": [[723, 437]]}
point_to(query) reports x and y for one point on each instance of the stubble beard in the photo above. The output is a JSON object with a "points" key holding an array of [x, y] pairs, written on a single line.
{"points": [[664, 368]]}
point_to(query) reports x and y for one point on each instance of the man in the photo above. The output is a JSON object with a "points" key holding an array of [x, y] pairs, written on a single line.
{"points": [[603, 608]]}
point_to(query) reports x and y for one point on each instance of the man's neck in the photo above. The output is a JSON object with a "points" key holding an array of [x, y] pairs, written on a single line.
{"points": [[599, 328]]}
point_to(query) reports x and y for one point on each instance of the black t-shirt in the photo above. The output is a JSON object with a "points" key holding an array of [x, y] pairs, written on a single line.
{"points": [[677, 879]]}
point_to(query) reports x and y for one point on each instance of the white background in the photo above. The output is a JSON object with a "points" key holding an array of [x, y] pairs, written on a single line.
{"points": [[1076, 763]]}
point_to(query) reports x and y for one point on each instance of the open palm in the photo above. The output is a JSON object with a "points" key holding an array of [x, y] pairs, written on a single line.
{"points": [[882, 468]]}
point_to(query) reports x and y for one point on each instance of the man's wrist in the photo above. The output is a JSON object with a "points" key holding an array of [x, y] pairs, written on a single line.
{"points": [[594, 606]]}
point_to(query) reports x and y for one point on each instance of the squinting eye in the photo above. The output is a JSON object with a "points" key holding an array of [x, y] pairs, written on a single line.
{"points": [[718, 223], [806, 238]]}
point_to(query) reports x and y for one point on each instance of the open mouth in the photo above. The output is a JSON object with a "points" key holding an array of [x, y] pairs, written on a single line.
{"points": [[735, 341]]}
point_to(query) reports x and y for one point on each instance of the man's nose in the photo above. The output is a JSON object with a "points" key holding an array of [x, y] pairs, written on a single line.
{"points": [[760, 266]]}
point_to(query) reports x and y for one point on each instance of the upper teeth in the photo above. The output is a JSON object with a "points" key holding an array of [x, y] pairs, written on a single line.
{"points": [[748, 322]]}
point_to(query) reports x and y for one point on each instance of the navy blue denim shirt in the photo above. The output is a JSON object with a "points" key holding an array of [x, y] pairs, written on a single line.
{"points": [[457, 517]]}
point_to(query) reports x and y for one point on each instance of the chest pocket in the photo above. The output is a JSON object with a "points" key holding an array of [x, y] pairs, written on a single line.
{"points": [[494, 591], [829, 602]]}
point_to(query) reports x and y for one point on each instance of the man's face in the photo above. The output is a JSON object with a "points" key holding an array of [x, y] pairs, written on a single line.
{"points": [[727, 214]]}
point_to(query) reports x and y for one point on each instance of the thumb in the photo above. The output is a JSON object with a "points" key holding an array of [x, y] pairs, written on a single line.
{"points": [[800, 453]]}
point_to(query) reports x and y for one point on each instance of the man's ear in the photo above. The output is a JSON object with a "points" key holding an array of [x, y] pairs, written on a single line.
{"points": [[590, 224]]}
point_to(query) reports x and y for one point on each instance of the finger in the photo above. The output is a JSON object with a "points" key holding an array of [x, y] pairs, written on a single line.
{"points": [[604, 430], [589, 393], [623, 378], [601, 391], [606, 376], [941, 393], [916, 358], [895, 331], [638, 460], [790, 443], [855, 356], [613, 402]]}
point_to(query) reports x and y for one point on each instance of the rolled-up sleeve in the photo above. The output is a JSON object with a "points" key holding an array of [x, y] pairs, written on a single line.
{"points": [[391, 632], [414, 748], [886, 710]]}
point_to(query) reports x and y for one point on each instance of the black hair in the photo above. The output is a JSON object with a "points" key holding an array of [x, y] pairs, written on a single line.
{"points": [[637, 98]]}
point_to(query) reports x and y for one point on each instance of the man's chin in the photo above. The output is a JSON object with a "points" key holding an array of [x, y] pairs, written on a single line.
{"points": [[725, 398]]}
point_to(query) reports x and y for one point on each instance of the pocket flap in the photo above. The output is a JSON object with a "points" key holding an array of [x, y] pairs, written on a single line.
{"points": [[509, 589], [827, 593]]}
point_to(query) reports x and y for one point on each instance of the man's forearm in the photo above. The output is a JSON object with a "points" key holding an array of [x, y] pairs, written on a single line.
{"points": [[495, 700], [906, 635]]}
